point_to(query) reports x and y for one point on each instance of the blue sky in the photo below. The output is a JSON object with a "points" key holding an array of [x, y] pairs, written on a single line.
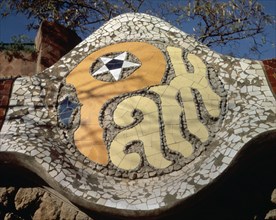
{"points": [[16, 25]]}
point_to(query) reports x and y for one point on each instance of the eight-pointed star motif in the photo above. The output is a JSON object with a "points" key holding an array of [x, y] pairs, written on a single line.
{"points": [[115, 65]]}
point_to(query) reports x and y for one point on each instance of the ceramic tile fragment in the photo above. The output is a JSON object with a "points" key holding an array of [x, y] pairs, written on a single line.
{"points": [[146, 116]]}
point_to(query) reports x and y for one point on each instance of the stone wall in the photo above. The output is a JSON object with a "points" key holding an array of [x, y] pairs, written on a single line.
{"points": [[36, 203], [270, 67], [51, 43], [5, 89], [272, 213], [15, 64]]}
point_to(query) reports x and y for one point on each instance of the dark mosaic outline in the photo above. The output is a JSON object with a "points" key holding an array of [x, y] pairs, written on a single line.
{"points": [[146, 171]]}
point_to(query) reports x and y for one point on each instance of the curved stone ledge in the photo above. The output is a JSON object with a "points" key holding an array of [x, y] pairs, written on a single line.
{"points": [[217, 106]]}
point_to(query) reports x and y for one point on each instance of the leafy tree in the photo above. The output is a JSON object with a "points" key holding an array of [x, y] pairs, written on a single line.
{"points": [[215, 22]]}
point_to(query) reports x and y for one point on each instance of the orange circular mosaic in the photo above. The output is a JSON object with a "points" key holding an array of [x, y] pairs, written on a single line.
{"points": [[93, 93]]}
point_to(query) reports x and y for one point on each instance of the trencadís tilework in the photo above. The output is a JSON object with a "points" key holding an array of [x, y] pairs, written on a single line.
{"points": [[137, 118]]}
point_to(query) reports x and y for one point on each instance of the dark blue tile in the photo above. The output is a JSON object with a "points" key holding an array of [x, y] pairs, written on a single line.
{"points": [[114, 64], [65, 110]]}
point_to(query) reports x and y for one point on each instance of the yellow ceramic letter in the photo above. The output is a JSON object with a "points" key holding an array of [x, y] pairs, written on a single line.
{"points": [[147, 131]]}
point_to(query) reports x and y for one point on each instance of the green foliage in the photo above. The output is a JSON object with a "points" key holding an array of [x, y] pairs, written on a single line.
{"points": [[18, 43], [22, 42]]}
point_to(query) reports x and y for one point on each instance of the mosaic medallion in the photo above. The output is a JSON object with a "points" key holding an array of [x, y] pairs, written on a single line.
{"points": [[136, 119], [157, 129]]}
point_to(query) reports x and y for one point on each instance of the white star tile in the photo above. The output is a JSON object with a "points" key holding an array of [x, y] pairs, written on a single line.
{"points": [[103, 69], [121, 56], [116, 73], [105, 60], [128, 64]]}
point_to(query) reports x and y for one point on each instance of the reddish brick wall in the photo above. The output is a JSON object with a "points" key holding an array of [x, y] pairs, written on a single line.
{"points": [[5, 90], [23, 64], [270, 68]]}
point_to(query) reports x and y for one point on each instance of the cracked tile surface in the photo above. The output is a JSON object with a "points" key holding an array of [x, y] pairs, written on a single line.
{"points": [[166, 130]]}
